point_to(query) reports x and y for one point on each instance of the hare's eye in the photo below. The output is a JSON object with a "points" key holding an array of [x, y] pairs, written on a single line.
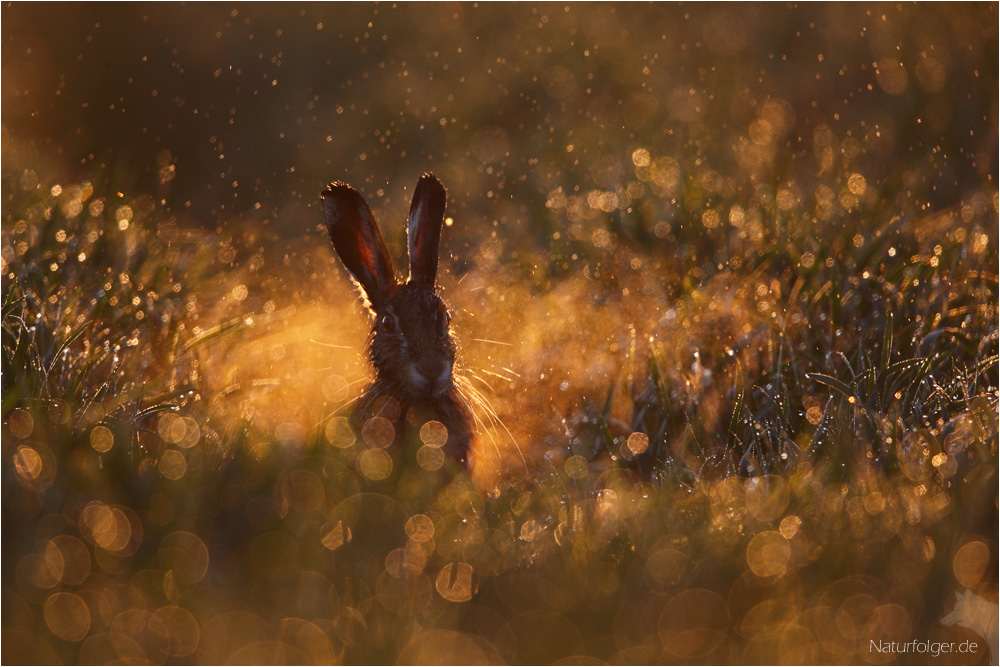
{"points": [[447, 318], [387, 323]]}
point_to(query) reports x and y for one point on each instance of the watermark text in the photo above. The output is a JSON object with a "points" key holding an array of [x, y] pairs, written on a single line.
{"points": [[935, 649]]}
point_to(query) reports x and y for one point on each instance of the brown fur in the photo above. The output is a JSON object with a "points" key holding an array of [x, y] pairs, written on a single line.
{"points": [[411, 347]]}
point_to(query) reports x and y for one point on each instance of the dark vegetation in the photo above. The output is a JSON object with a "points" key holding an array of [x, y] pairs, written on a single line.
{"points": [[739, 336]]}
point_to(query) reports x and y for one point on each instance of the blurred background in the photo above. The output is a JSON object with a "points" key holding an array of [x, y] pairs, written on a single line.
{"points": [[250, 109], [725, 276]]}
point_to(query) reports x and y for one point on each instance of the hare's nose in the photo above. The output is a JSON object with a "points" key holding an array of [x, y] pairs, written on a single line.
{"points": [[437, 376], [432, 378]]}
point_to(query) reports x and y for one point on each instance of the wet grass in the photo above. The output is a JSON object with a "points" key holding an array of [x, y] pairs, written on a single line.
{"points": [[734, 316], [793, 445]]}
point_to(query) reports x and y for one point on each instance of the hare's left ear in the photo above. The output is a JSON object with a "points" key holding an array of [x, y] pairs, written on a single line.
{"points": [[423, 229], [358, 242]]}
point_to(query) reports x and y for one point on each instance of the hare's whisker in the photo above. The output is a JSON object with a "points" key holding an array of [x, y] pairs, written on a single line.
{"points": [[485, 430], [321, 343], [495, 342], [495, 419], [369, 397], [495, 374], [475, 376], [488, 408], [342, 407], [391, 395], [463, 397], [492, 412]]}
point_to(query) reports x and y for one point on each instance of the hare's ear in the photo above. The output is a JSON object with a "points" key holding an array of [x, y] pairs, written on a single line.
{"points": [[358, 242], [423, 229]]}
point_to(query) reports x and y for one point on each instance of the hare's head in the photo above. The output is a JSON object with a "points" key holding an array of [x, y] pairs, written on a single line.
{"points": [[411, 346]]}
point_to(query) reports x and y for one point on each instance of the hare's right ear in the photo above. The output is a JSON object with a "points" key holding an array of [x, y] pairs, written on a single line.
{"points": [[423, 229], [358, 242]]}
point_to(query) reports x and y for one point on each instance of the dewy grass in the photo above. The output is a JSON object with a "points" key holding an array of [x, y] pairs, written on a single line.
{"points": [[731, 318], [819, 452]]}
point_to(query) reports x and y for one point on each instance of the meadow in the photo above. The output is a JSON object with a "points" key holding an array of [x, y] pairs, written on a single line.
{"points": [[725, 278]]}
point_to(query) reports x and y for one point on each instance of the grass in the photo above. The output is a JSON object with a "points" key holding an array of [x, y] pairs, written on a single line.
{"points": [[801, 444], [737, 334]]}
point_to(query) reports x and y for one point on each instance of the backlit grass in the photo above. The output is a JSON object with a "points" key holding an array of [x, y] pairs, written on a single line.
{"points": [[740, 368]]}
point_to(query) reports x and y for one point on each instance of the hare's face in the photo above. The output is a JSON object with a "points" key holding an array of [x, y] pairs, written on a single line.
{"points": [[412, 347]]}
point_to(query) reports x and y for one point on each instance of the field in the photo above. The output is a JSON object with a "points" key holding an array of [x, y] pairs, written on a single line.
{"points": [[724, 279]]}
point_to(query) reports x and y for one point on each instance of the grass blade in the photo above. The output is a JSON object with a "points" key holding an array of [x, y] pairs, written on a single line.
{"points": [[887, 341], [831, 382]]}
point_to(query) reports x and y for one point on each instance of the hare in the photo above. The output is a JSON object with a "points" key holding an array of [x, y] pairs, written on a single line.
{"points": [[411, 347]]}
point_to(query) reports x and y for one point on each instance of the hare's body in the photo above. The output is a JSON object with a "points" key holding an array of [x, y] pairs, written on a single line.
{"points": [[411, 413], [411, 347]]}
